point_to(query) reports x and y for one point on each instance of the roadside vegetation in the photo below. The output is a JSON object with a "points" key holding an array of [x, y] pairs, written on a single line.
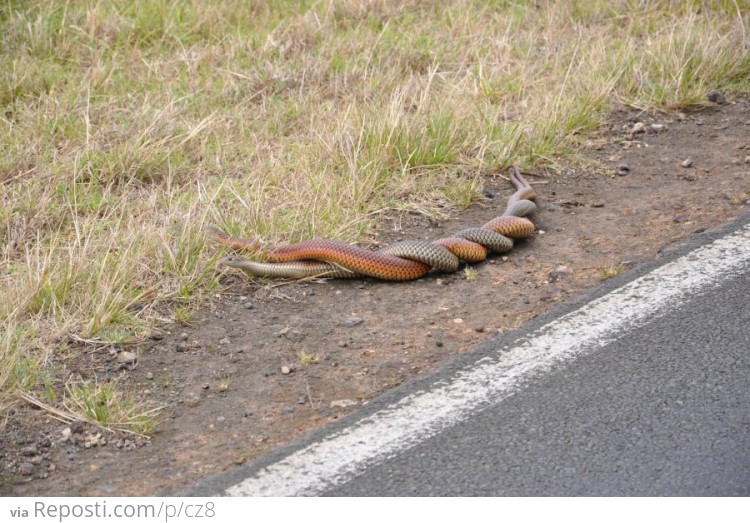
{"points": [[125, 127]]}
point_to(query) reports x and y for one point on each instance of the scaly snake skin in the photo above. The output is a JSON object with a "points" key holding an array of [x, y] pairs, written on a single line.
{"points": [[401, 261]]}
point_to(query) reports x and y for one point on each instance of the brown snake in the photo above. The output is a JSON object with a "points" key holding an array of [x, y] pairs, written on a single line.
{"points": [[401, 261]]}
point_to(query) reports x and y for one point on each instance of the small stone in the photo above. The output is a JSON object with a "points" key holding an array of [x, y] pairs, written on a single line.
{"points": [[78, 427], [540, 232], [225, 341], [157, 334], [295, 336], [342, 343], [688, 162], [31, 450], [638, 127], [126, 357], [52, 467], [183, 335], [623, 169], [206, 386], [343, 404], [479, 328], [182, 347], [488, 194], [286, 370], [192, 401], [36, 460], [149, 375], [716, 97], [658, 127], [288, 409], [439, 338], [747, 159], [351, 322], [458, 320], [248, 305], [26, 468]]}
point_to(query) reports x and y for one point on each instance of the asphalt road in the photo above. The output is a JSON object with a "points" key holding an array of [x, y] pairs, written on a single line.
{"points": [[643, 388], [664, 410]]}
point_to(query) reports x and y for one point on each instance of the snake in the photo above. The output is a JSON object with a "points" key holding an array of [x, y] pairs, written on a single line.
{"points": [[400, 261]]}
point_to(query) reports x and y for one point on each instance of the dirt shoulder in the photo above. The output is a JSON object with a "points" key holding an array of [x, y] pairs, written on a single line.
{"points": [[268, 364]]}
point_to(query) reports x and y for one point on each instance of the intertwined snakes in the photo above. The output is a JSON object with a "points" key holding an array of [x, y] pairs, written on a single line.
{"points": [[401, 261]]}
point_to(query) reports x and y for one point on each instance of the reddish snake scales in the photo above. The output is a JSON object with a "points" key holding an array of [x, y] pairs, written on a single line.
{"points": [[401, 261]]}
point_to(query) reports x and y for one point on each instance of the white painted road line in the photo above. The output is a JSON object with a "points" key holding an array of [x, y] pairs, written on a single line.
{"points": [[313, 469]]}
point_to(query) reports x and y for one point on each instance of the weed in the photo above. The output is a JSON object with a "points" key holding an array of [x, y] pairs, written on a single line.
{"points": [[470, 273], [110, 407], [307, 359], [612, 271]]}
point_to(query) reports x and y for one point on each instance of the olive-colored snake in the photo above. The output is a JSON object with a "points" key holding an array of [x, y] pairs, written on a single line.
{"points": [[401, 261]]}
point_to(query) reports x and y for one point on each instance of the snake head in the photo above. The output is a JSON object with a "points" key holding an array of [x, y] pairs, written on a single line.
{"points": [[233, 261]]}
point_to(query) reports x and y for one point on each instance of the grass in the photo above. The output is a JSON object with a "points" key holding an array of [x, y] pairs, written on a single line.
{"points": [[109, 406], [470, 273], [612, 271], [128, 126], [307, 359]]}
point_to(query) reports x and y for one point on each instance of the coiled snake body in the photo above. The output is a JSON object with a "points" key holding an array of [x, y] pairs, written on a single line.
{"points": [[401, 261]]}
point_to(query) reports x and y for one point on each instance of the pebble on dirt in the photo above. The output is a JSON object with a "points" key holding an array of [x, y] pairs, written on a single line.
{"points": [[192, 401], [286, 370], [716, 97], [343, 404], [31, 450], [126, 357], [688, 162], [354, 320]]}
